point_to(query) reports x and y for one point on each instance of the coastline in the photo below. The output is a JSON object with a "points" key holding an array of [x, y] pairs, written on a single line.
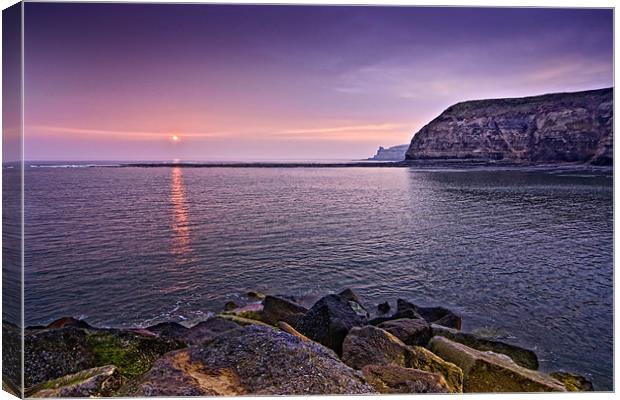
{"points": [[273, 345]]}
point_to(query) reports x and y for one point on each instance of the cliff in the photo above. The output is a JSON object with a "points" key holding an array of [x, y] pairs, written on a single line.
{"points": [[552, 128], [394, 153]]}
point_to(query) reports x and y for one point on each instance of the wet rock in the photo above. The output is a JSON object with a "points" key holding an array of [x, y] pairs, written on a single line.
{"points": [[396, 379], [330, 319], [54, 353], [207, 330], [279, 309], [573, 382], [230, 305], [68, 321], [436, 315], [491, 372], [250, 311], [171, 330], [524, 357], [350, 295], [252, 295], [414, 332], [255, 360], [384, 307], [94, 382]]}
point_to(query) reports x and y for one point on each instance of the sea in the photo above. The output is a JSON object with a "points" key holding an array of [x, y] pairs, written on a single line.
{"points": [[523, 255]]}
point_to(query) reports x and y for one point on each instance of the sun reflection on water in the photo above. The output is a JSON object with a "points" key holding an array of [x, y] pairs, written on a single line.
{"points": [[180, 215]]}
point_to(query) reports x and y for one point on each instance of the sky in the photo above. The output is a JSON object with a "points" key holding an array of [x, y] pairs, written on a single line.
{"points": [[237, 82]]}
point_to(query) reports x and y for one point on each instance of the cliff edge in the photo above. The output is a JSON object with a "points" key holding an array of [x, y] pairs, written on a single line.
{"points": [[552, 128]]}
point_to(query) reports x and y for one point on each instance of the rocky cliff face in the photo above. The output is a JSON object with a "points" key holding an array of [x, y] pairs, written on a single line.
{"points": [[553, 128], [394, 153]]}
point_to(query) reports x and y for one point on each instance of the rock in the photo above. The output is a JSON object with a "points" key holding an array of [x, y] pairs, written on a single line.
{"points": [[370, 345], [278, 309], [255, 295], [330, 319], [254, 360], [553, 128], [396, 379], [54, 353], [350, 295], [242, 320], [491, 372], [384, 307], [11, 358], [423, 359], [289, 329], [68, 321], [51, 354], [414, 332], [573, 382], [207, 330], [251, 311], [94, 382], [171, 330], [435, 315], [230, 305], [524, 357], [404, 309]]}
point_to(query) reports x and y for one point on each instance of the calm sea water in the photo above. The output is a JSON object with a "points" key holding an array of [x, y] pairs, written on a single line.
{"points": [[528, 254]]}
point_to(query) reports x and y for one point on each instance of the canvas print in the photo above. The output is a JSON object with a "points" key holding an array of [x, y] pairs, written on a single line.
{"points": [[237, 199]]}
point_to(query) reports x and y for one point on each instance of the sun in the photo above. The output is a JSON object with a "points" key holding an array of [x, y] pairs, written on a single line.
{"points": [[175, 138]]}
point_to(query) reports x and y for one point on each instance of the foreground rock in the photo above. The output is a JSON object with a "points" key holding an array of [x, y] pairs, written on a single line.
{"points": [[490, 372], [253, 360], [524, 357], [373, 346], [54, 353], [396, 379], [94, 382], [554, 128], [207, 330], [276, 309], [330, 319], [573, 382]]}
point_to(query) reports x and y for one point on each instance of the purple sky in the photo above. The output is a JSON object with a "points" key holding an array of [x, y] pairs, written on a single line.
{"points": [[117, 81]]}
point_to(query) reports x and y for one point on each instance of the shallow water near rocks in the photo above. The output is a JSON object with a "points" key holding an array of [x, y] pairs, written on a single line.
{"points": [[528, 255]]}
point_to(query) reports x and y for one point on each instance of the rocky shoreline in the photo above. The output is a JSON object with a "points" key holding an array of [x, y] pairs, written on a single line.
{"points": [[274, 346]]}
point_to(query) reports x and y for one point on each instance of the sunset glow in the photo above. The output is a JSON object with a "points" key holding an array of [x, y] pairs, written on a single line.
{"points": [[254, 82]]}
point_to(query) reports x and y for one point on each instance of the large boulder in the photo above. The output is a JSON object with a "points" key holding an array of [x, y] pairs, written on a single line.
{"points": [[370, 345], [396, 379], [53, 353], [94, 382], [524, 357], [491, 372], [330, 319], [414, 332], [276, 309], [254, 360]]}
